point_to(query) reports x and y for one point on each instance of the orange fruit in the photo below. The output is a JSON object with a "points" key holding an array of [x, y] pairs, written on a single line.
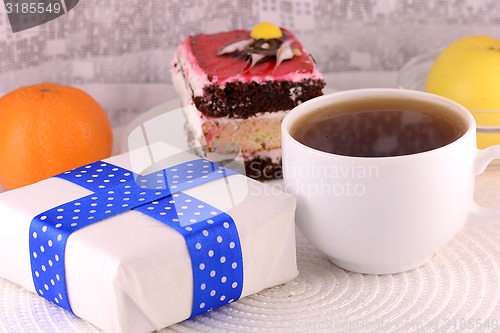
{"points": [[46, 129]]}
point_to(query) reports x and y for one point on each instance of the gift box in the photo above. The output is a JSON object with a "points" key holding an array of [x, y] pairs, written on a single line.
{"points": [[146, 239]]}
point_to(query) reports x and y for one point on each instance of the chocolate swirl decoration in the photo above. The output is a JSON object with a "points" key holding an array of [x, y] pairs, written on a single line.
{"points": [[259, 50], [263, 46]]}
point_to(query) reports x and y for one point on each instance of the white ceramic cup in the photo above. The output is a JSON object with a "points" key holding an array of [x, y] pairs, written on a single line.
{"points": [[383, 215]]}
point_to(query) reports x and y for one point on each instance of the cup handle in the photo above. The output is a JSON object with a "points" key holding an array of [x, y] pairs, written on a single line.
{"points": [[481, 215]]}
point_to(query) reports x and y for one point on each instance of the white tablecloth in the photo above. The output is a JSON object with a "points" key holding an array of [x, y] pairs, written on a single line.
{"points": [[458, 290]]}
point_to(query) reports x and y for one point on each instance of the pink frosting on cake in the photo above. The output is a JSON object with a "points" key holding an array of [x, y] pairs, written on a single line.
{"points": [[198, 56]]}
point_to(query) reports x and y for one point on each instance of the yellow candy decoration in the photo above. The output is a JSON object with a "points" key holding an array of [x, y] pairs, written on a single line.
{"points": [[266, 30]]}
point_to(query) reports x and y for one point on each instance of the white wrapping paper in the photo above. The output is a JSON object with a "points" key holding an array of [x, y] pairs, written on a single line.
{"points": [[131, 273]]}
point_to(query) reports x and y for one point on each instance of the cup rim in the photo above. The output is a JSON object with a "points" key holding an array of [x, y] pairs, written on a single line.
{"points": [[317, 102]]}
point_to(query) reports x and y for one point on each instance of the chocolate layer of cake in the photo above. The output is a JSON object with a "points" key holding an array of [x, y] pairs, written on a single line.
{"points": [[242, 100], [263, 168]]}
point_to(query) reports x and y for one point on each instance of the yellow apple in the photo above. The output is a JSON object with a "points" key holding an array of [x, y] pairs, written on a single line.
{"points": [[468, 72]]}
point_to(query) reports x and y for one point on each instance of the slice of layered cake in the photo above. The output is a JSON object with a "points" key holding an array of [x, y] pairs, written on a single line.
{"points": [[240, 84]]}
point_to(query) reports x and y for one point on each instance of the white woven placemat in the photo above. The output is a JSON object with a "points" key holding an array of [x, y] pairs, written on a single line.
{"points": [[458, 290]]}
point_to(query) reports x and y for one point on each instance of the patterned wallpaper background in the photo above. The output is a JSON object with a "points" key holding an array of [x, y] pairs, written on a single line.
{"points": [[116, 42]]}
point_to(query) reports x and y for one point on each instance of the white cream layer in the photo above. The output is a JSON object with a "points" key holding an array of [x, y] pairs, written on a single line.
{"points": [[257, 133]]}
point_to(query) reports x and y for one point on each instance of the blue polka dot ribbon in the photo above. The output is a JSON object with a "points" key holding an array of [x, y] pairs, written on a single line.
{"points": [[210, 234]]}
